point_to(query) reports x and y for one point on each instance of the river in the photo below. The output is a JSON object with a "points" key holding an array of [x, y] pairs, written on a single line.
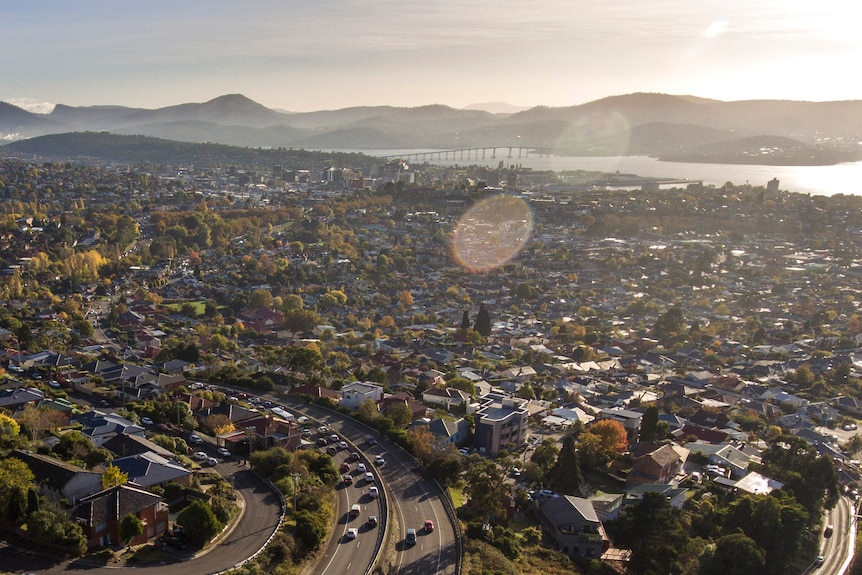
{"points": [[819, 180]]}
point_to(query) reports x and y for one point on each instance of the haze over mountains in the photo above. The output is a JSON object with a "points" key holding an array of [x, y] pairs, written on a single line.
{"points": [[682, 128]]}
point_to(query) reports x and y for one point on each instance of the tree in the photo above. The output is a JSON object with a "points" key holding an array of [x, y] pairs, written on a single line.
{"points": [[130, 527], [113, 477], [260, 299], [8, 426], [199, 522], [669, 324], [484, 484], [545, 456], [15, 480], [603, 441], [405, 298], [483, 321], [565, 475], [367, 411], [301, 320], [736, 554], [400, 414], [465, 321], [649, 424]]}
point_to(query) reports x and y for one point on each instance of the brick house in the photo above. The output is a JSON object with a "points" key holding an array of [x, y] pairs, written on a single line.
{"points": [[100, 515]]}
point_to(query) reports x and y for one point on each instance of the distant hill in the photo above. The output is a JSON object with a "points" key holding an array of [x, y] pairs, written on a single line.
{"points": [[496, 108], [686, 128], [106, 147]]}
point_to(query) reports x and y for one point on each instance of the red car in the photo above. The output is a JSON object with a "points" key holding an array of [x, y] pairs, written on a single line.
{"points": [[429, 526], [348, 480]]}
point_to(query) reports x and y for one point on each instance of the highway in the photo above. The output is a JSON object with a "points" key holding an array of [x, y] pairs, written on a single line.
{"points": [[837, 549], [412, 500]]}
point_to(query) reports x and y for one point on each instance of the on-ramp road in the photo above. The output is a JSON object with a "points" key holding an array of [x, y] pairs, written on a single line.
{"points": [[257, 524]]}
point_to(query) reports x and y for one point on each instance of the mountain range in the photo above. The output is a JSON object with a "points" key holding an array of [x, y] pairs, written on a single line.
{"points": [[682, 128]]}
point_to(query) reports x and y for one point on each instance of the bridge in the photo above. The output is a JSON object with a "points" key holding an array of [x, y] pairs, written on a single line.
{"points": [[479, 153]]}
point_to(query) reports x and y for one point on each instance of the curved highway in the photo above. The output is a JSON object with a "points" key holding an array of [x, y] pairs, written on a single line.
{"points": [[837, 550], [413, 499]]}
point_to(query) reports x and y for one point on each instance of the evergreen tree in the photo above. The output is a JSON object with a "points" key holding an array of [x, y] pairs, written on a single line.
{"points": [[565, 475], [649, 424], [465, 321], [483, 321]]}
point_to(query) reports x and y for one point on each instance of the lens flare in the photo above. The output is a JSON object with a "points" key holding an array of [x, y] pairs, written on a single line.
{"points": [[492, 232]]}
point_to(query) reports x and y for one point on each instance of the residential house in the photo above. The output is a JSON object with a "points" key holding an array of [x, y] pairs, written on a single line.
{"points": [[13, 400], [672, 492], [631, 420], [417, 410], [448, 398], [447, 431], [353, 394], [724, 455], [100, 515], [100, 427], [571, 522], [148, 469], [58, 479], [657, 465]]}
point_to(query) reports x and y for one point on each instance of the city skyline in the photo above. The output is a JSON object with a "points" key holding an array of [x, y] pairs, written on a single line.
{"points": [[330, 54]]}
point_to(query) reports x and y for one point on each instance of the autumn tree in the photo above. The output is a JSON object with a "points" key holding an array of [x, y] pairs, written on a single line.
{"points": [[113, 477], [601, 443]]}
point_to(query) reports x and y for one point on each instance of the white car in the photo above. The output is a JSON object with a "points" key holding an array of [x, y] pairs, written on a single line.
{"points": [[378, 460], [373, 492], [360, 467], [352, 532], [193, 438], [146, 421], [369, 477], [200, 455], [224, 452]]}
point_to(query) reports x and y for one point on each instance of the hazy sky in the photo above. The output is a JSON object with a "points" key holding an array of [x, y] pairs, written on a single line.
{"points": [[303, 55]]}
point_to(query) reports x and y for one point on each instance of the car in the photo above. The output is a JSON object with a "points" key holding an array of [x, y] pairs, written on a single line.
{"points": [[360, 467], [378, 460], [463, 451], [333, 438], [321, 441], [212, 461], [369, 477], [373, 492], [224, 452], [410, 539], [146, 421], [104, 403], [354, 456], [348, 480], [429, 526], [163, 427], [323, 429], [342, 445], [354, 510], [371, 440], [516, 472], [196, 439], [827, 533], [372, 521], [332, 450], [352, 532], [345, 466], [818, 561], [199, 455]]}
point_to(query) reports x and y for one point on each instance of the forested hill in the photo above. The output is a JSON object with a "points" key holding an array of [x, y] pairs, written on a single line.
{"points": [[106, 147]]}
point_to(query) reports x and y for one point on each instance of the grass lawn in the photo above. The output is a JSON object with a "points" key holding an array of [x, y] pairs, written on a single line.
{"points": [[199, 306], [603, 482], [458, 499]]}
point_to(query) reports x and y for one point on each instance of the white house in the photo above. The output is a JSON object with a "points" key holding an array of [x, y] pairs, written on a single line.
{"points": [[353, 394]]}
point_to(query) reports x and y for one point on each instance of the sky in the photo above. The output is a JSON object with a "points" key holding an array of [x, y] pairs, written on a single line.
{"points": [[306, 55]]}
